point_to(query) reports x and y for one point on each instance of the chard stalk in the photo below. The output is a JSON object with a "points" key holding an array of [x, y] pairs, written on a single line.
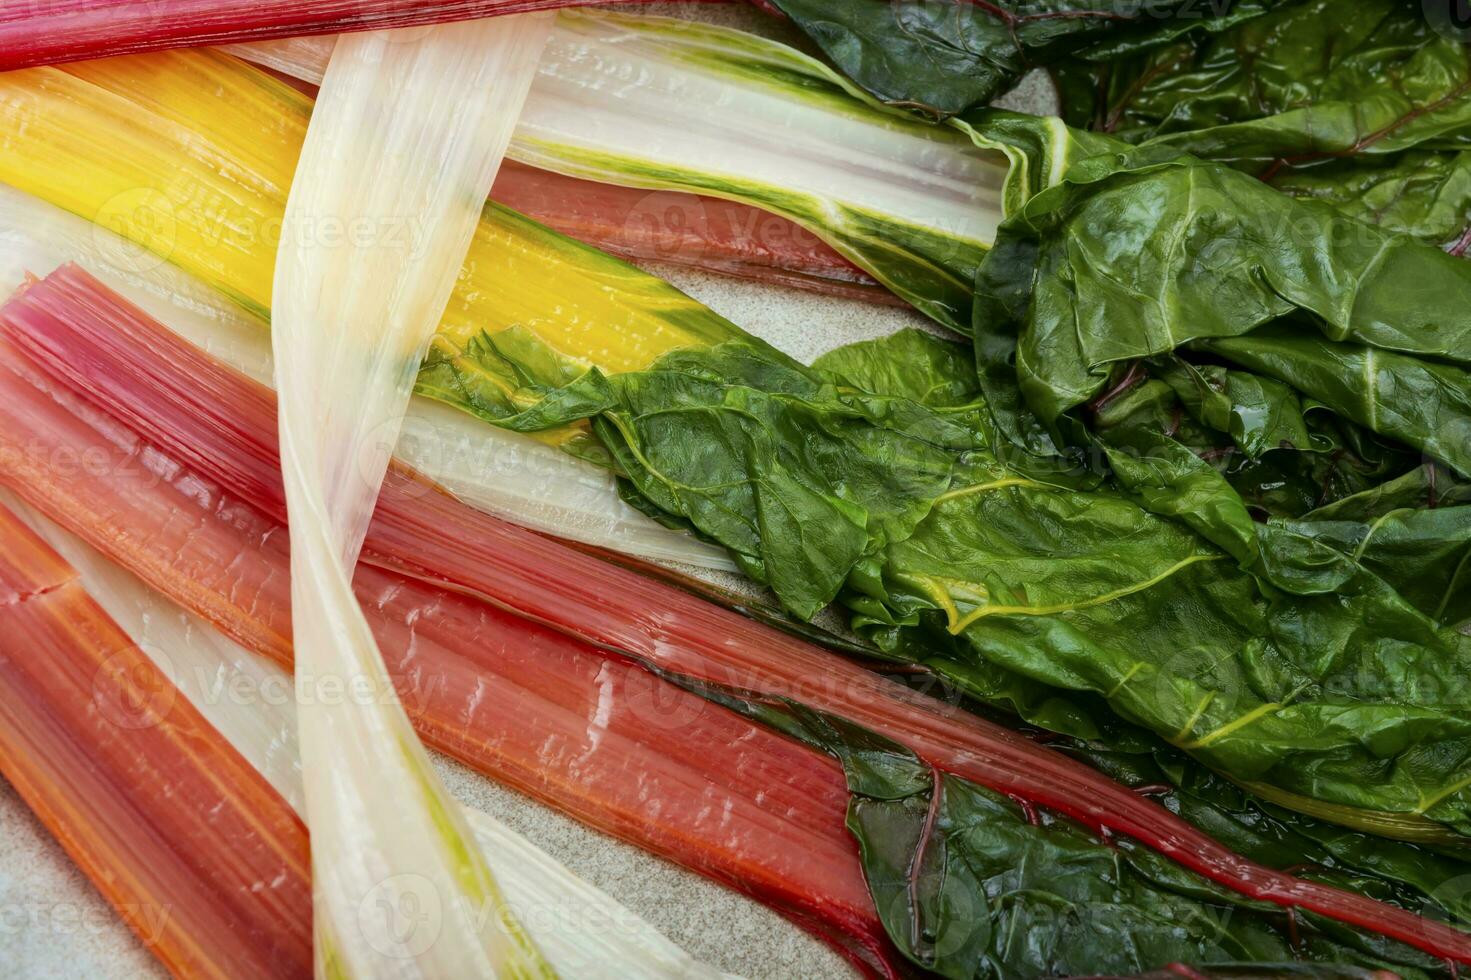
{"points": [[627, 100], [401, 152], [42, 32], [201, 858]]}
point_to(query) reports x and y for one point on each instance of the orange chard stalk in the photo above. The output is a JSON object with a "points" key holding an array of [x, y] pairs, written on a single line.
{"points": [[198, 854]]}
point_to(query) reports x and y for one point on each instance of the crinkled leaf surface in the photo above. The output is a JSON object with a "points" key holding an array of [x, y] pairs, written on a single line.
{"points": [[945, 58], [1422, 193], [1361, 104], [1139, 255], [1307, 78]]}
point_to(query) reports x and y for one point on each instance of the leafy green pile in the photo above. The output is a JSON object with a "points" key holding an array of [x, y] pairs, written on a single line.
{"points": [[873, 475], [945, 59], [1314, 654], [1195, 494], [1361, 104], [876, 477]]}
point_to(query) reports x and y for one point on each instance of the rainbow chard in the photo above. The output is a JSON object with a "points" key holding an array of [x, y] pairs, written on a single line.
{"points": [[907, 505], [702, 647], [521, 286], [910, 504], [913, 205], [947, 859], [710, 233], [960, 932], [623, 100]]}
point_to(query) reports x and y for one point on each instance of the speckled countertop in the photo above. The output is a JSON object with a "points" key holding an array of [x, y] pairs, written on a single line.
{"points": [[53, 924]]}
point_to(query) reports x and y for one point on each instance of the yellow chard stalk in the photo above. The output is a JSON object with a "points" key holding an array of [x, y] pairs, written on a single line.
{"points": [[189, 155]]}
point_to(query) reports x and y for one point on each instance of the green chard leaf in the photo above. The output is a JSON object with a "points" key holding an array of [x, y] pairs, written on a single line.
{"points": [[1294, 665], [1362, 105], [800, 477], [1422, 193], [1429, 486], [1142, 254], [1424, 554], [1310, 77], [1415, 400], [1039, 150], [948, 58], [1259, 414], [1339, 460]]}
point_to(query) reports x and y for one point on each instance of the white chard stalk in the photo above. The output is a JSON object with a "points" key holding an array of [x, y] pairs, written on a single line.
{"points": [[406, 138], [676, 105]]}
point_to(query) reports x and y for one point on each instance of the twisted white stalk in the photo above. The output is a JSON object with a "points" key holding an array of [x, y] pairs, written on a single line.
{"points": [[404, 143]]}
